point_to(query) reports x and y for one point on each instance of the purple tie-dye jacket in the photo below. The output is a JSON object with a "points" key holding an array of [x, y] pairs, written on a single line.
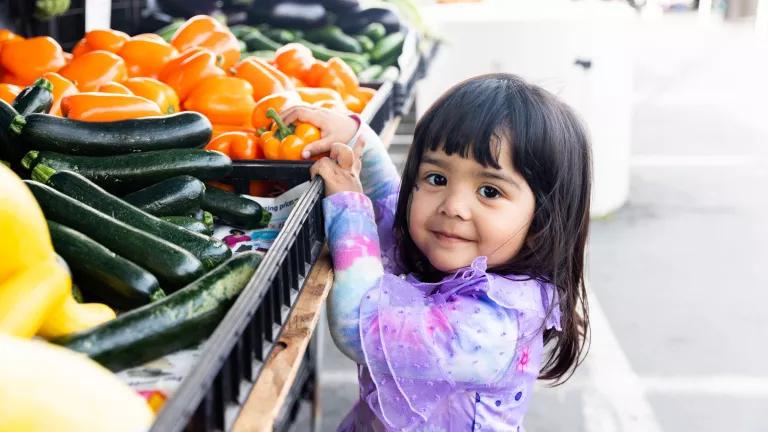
{"points": [[457, 355]]}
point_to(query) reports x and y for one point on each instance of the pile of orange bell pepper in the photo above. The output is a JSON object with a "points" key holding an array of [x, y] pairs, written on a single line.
{"points": [[111, 75]]}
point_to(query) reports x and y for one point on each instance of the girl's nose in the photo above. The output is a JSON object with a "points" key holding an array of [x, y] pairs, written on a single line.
{"points": [[454, 205]]}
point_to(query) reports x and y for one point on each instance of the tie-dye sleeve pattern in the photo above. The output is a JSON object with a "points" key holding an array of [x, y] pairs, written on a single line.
{"points": [[354, 244]]}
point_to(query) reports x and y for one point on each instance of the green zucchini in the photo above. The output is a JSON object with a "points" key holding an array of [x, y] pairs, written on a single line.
{"points": [[375, 31], [240, 30], [9, 151], [365, 42], [173, 196], [103, 274], [334, 38], [189, 223], [322, 53], [210, 251], [171, 264], [46, 132], [177, 321], [169, 30], [128, 173], [390, 45], [255, 41], [262, 54], [234, 209], [36, 98]]}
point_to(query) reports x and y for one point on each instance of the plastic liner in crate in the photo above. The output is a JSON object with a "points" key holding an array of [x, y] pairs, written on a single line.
{"points": [[211, 395]]}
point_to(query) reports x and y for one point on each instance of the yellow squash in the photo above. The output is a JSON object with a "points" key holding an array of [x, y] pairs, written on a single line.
{"points": [[45, 388]]}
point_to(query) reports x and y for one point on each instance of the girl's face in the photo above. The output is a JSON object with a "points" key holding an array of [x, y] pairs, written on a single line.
{"points": [[461, 210]]}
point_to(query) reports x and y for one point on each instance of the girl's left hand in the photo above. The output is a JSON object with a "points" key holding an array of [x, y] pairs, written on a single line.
{"points": [[341, 171]]}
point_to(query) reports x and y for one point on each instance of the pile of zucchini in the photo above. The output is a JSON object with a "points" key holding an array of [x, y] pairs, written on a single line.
{"points": [[128, 211]]}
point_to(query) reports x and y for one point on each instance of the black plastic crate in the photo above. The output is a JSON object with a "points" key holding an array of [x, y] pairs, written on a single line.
{"points": [[211, 396], [381, 108]]}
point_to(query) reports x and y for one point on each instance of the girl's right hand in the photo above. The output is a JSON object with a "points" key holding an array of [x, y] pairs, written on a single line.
{"points": [[335, 127]]}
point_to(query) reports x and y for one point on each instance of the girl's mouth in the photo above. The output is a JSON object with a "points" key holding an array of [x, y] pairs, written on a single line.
{"points": [[449, 238]]}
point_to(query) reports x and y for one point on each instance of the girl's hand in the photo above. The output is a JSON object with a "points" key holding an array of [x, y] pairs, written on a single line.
{"points": [[341, 171], [335, 127]]}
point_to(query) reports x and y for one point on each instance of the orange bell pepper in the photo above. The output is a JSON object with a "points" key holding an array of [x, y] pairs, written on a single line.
{"points": [[237, 145], [194, 31], [8, 92], [26, 60], [184, 72], [278, 102], [104, 107], [220, 185], [353, 103], [263, 81], [150, 37], [312, 95], [92, 69], [224, 44], [157, 91], [365, 94], [219, 129], [80, 48], [146, 58], [285, 80], [8, 36], [333, 105], [115, 88], [105, 39], [284, 142], [62, 88], [223, 99], [345, 73], [294, 60], [266, 188]]}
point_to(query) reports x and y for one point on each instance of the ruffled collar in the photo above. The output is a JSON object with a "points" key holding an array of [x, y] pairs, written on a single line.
{"points": [[462, 282]]}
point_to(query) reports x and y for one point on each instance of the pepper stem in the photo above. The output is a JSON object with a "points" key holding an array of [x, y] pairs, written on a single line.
{"points": [[29, 159], [208, 220], [266, 216], [42, 173], [282, 129], [17, 124]]}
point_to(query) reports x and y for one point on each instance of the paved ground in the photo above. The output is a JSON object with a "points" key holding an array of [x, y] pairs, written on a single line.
{"points": [[679, 275]]}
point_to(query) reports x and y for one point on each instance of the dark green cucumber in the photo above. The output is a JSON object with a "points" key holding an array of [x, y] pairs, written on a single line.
{"points": [[390, 45], [370, 73], [334, 38], [365, 42], [174, 196], [131, 172], [322, 53], [46, 132], [189, 223], [36, 98], [177, 321], [240, 30], [234, 209], [102, 273], [375, 31], [210, 251], [279, 35], [171, 264], [256, 41], [390, 73]]}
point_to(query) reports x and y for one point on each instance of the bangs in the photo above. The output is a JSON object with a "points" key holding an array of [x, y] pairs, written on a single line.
{"points": [[467, 121]]}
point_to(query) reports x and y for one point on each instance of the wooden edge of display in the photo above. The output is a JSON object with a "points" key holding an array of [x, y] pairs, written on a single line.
{"points": [[268, 395]]}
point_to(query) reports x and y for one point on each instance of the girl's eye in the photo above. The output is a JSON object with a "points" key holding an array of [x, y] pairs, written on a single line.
{"points": [[489, 192], [436, 180]]}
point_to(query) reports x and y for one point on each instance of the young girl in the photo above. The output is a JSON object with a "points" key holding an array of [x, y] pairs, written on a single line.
{"points": [[450, 282]]}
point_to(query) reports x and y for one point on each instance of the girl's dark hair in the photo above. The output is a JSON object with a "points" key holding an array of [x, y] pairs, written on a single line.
{"points": [[550, 148]]}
